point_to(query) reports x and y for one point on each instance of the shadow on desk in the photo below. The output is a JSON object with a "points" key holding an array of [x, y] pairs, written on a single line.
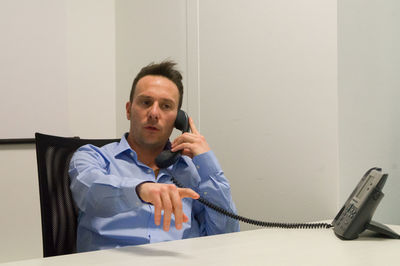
{"points": [[146, 251], [370, 235]]}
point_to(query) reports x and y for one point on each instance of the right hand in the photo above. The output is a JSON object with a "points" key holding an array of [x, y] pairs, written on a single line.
{"points": [[167, 197], [191, 144]]}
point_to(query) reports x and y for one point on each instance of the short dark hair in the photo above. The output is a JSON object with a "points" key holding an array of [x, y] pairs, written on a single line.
{"points": [[165, 69]]}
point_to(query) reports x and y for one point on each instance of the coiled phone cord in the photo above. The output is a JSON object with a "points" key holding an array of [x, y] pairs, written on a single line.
{"points": [[256, 222]]}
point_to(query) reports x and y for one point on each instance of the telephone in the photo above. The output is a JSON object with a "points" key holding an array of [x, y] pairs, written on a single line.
{"points": [[355, 216], [167, 157]]}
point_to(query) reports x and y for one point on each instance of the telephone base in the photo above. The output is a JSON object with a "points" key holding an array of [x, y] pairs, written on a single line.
{"points": [[382, 229]]}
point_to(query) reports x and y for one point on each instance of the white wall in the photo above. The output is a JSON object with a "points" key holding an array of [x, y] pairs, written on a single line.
{"points": [[268, 104], [57, 50], [146, 31], [33, 67], [91, 67], [20, 226], [369, 110], [85, 104]]}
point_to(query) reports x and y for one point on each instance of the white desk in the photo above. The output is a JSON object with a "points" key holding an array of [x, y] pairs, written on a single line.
{"points": [[258, 247]]}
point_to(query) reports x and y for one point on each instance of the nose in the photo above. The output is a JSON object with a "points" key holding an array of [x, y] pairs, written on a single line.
{"points": [[154, 112]]}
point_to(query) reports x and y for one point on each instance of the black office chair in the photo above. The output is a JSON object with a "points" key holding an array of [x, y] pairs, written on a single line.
{"points": [[58, 211]]}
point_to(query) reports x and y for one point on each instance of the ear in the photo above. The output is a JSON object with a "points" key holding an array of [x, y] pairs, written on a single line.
{"points": [[128, 110]]}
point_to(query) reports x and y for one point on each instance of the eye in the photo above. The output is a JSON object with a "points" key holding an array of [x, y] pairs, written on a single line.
{"points": [[166, 106], [145, 102]]}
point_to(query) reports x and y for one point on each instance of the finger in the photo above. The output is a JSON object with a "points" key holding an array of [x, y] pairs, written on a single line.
{"points": [[188, 193], [193, 127], [188, 153], [185, 137], [157, 210], [182, 146], [177, 208], [166, 202], [185, 218]]}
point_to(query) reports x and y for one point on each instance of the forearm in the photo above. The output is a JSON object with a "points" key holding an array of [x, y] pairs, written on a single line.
{"points": [[105, 195], [215, 188], [95, 191]]}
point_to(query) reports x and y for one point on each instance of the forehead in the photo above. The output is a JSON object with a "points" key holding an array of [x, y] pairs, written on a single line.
{"points": [[157, 86]]}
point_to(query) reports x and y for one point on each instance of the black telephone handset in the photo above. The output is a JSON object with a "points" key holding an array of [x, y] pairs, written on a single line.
{"points": [[356, 214], [167, 157]]}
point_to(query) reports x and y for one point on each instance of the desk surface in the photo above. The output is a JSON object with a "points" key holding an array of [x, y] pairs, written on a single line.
{"points": [[257, 247]]}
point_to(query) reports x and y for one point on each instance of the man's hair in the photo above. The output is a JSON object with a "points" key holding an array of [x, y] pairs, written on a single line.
{"points": [[165, 69]]}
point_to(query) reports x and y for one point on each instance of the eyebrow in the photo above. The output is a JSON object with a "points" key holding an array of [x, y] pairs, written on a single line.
{"points": [[146, 97]]}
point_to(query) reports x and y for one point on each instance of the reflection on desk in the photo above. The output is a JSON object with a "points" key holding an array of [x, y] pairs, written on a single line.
{"points": [[257, 247]]}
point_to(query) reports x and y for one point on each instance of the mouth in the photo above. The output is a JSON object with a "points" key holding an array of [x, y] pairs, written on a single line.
{"points": [[152, 128]]}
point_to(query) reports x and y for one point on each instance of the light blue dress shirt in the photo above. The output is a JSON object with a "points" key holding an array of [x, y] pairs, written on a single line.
{"points": [[103, 184]]}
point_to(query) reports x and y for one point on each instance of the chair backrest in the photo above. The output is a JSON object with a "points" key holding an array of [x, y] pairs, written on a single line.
{"points": [[58, 211]]}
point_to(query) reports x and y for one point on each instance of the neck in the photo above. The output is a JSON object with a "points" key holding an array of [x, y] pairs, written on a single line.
{"points": [[146, 154]]}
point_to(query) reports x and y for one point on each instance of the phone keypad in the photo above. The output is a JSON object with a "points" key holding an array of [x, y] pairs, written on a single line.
{"points": [[352, 211], [349, 213]]}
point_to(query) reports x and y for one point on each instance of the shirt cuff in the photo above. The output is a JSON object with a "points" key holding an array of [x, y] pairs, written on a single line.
{"points": [[137, 193], [129, 190]]}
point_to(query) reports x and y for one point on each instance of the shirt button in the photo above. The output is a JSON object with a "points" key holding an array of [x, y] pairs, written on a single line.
{"points": [[132, 153], [148, 171], [205, 193], [198, 166]]}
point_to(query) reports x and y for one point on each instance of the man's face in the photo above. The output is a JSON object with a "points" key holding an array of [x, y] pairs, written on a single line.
{"points": [[152, 112]]}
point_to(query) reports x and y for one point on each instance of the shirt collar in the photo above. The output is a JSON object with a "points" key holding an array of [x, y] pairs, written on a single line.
{"points": [[124, 146]]}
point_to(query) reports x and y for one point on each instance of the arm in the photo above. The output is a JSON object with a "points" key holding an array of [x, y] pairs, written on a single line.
{"points": [[96, 192], [213, 184], [214, 187]]}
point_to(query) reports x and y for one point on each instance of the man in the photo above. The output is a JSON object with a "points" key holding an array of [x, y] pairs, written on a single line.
{"points": [[125, 199]]}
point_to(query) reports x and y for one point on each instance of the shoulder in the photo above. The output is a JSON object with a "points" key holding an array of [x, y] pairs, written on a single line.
{"points": [[89, 151]]}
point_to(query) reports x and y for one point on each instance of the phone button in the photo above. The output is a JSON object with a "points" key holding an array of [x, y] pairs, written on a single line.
{"points": [[376, 195]]}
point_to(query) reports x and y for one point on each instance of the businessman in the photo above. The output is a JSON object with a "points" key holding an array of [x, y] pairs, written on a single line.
{"points": [[125, 199]]}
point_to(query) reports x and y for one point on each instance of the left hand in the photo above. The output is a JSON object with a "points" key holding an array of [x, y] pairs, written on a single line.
{"points": [[191, 144], [167, 198]]}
